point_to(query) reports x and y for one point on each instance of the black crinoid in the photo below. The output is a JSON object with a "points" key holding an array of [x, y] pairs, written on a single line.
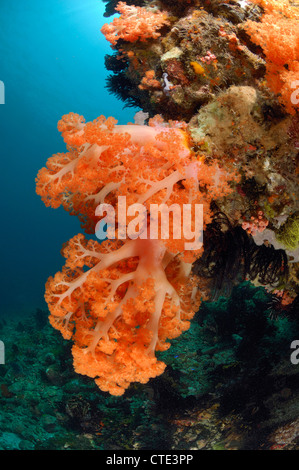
{"points": [[116, 63], [118, 83], [121, 86], [231, 256]]}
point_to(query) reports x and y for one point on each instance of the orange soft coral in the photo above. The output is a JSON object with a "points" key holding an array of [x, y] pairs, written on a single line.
{"points": [[119, 311], [149, 81], [121, 300], [278, 35], [277, 6], [134, 24]]}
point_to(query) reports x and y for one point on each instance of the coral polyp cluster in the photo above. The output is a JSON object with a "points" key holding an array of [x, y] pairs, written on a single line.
{"points": [[280, 45], [135, 23]]}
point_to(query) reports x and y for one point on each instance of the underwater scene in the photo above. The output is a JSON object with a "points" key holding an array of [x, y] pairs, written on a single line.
{"points": [[155, 312]]}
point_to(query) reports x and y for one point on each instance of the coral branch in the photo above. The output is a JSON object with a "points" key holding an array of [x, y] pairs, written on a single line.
{"points": [[134, 23]]}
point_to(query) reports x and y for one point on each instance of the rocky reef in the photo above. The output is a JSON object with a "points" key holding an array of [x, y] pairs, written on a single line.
{"points": [[229, 384], [220, 67]]}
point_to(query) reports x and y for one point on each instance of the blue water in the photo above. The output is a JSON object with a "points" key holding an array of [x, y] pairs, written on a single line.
{"points": [[52, 63]]}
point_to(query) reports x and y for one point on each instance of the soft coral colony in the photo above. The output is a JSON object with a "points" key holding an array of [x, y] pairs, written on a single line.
{"points": [[121, 300]]}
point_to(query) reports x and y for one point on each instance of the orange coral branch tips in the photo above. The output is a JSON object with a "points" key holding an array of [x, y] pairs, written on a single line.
{"points": [[134, 23], [121, 300]]}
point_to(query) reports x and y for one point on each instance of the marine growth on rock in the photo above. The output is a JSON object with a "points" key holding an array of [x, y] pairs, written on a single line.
{"points": [[218, 90]]}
